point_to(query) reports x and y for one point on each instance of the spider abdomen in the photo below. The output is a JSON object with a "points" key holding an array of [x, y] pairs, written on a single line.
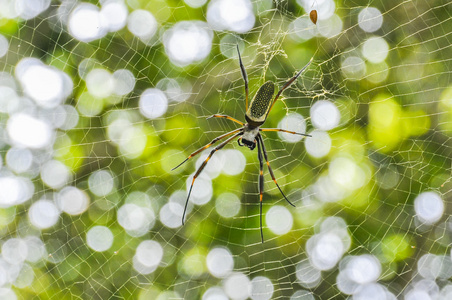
{"points": [[260, 105]]}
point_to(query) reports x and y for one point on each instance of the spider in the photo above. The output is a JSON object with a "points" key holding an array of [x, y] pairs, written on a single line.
{"points": [[249, 134]]}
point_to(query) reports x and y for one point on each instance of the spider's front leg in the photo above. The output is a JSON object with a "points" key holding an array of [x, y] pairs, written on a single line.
{"points": [[225, 117], [283, 130]]}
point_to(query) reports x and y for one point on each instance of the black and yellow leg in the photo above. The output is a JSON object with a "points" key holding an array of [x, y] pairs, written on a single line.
{"points": [[245, 78], [261, 185], [283, 130], [203, 166], [226, 117], [207, 146], [261, 141], [286, 85]]}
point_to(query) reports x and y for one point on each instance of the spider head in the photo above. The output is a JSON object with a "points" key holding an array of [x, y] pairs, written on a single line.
{"points": [[249, 136], [249, 144]]}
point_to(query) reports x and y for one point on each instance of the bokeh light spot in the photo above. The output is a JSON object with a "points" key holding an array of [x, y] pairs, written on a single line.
{"points": [[55, 174], [279, 219], [124, 82], [261, 288], [330, 27], [237, 286], [148, 256], [153, 103], [115, 15], [370, 19], [100, 83], [429, 207], [142, 24], [307, 275], [234, 162], [319, 144], [188, 42], [363, 269], [72, 200], [292, 122], [43, 214], [14, 190], [86, 23], [202, 190], [14, 251], [4, 45], [325, 115], [375, 49], [195, 3], [19, 159], [44, 84], [7, 294], [101, 183], [30, 9], [28, 131], [136, 220], [233, 15], [99, 238], [214, 293], [227, 205], [353, 68], [220, 262]]}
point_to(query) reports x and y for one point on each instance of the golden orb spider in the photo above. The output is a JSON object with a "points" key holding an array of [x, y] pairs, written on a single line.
{"points": [[249, 133]]}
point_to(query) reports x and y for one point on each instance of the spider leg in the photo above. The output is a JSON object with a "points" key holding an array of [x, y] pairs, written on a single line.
{"points": [[261, 141], [291, 80], [225, 117], [283, 130], [245, 78], [261, 184], [204, 164], [207, 146]]}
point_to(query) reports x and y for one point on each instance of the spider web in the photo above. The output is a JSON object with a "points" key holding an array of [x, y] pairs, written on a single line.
{"points": [[93, 124]]}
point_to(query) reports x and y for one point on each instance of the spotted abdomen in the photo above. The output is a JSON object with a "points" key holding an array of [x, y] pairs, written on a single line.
{"points": [[260, 105]]}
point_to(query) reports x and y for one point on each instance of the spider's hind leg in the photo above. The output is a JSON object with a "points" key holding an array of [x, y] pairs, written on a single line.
{"points": [[261, 184], [261, 141]]}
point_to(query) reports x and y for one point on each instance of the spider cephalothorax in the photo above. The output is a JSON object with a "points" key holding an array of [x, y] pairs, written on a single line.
{"points": [[249, 134]]}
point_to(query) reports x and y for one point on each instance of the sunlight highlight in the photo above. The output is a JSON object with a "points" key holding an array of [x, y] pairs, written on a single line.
{"points": [[233, 15], [143, 25], [188, 42], [370, 19], [99, 238], [86, 23], [293, 122]]}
